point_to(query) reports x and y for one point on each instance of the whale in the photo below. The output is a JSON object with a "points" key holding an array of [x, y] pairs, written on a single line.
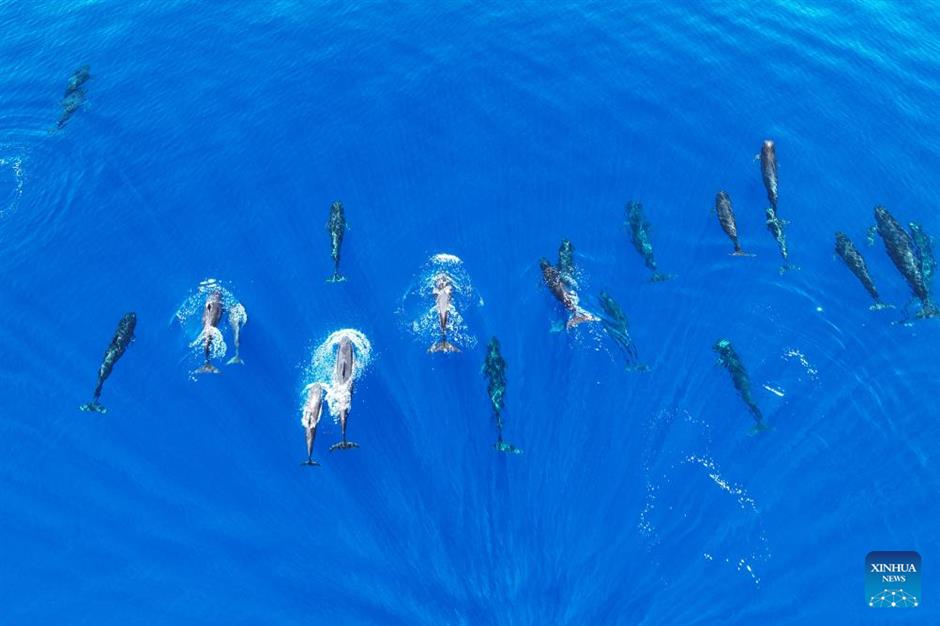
{"points": [[336, 227], [565, 294], [901, 250], [313, 408], [211, 314], [122, 338], [443, 295], [856, 263], [725, 213], [342, 385], [74, 95]]}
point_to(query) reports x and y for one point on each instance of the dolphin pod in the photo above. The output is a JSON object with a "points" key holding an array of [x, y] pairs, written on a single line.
{"points": [[910, 251]]}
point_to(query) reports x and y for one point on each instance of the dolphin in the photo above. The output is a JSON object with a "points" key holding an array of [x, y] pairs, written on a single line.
{"points": [[343, 383], [123, 336], [566, 262], [211, 315], [565, 294], [74, 95], [775, 226], [728, 357], [313, 407], [443, 294], [617, 326], [901, 250], [237, 318], [78, 78], [768, 170], [726, 218], [923, 248], [640, 236], [336, 226], [856, 263], [494, 369]]}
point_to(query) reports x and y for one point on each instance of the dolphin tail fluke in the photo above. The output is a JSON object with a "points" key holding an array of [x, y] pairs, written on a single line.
{"points": [[660, 277], [759, 427], [336, 278], [344, 445], [443, 346], [235, 360], [311, 463], [208, 368], [928, 310], [740, 252], [503, 446], [94, 406], [579, 317], [880, 306]]}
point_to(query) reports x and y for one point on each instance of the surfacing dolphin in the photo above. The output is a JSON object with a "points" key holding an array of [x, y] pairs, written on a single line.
{"points": [[313, 408], [336, 226], [856, 263], [443, 295], [211, 314], [74, 95], [923, 248], [123, 336], [237, 318], [565, 294], [342, 386], [900, 248]]}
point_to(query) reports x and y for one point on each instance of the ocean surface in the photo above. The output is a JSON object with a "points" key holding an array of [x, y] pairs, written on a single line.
{"points": [[210, 144]]}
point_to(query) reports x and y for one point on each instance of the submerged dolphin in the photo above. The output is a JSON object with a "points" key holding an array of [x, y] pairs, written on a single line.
{"points": [[74, 95], [768, 170], [566, 262], [494, 369], [342, 387], [617, 326], [211, 314], [856, 263], [728, 357], [640, 236], [775, 226], [565, 294], [336, 226], [313, 407], [443, 294], [237, 318], [123, 336], [726, 218], [900, 248], [923, 248]]}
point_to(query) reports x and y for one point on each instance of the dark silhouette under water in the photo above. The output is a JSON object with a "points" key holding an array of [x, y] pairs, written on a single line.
{"points": [[566, 262], [640, 236], [74, 95], [336, 226], [494, 369], [923, 249], [617, 326], [123, 336], [729, 359], [725, 213]]}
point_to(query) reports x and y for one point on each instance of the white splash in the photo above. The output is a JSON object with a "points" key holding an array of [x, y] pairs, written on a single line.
{"points": [[321, 367], [189, 316], [418, 307], [16, 168]]}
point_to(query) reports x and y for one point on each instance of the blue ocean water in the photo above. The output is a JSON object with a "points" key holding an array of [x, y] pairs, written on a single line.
{"points": [[211, 144]]}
